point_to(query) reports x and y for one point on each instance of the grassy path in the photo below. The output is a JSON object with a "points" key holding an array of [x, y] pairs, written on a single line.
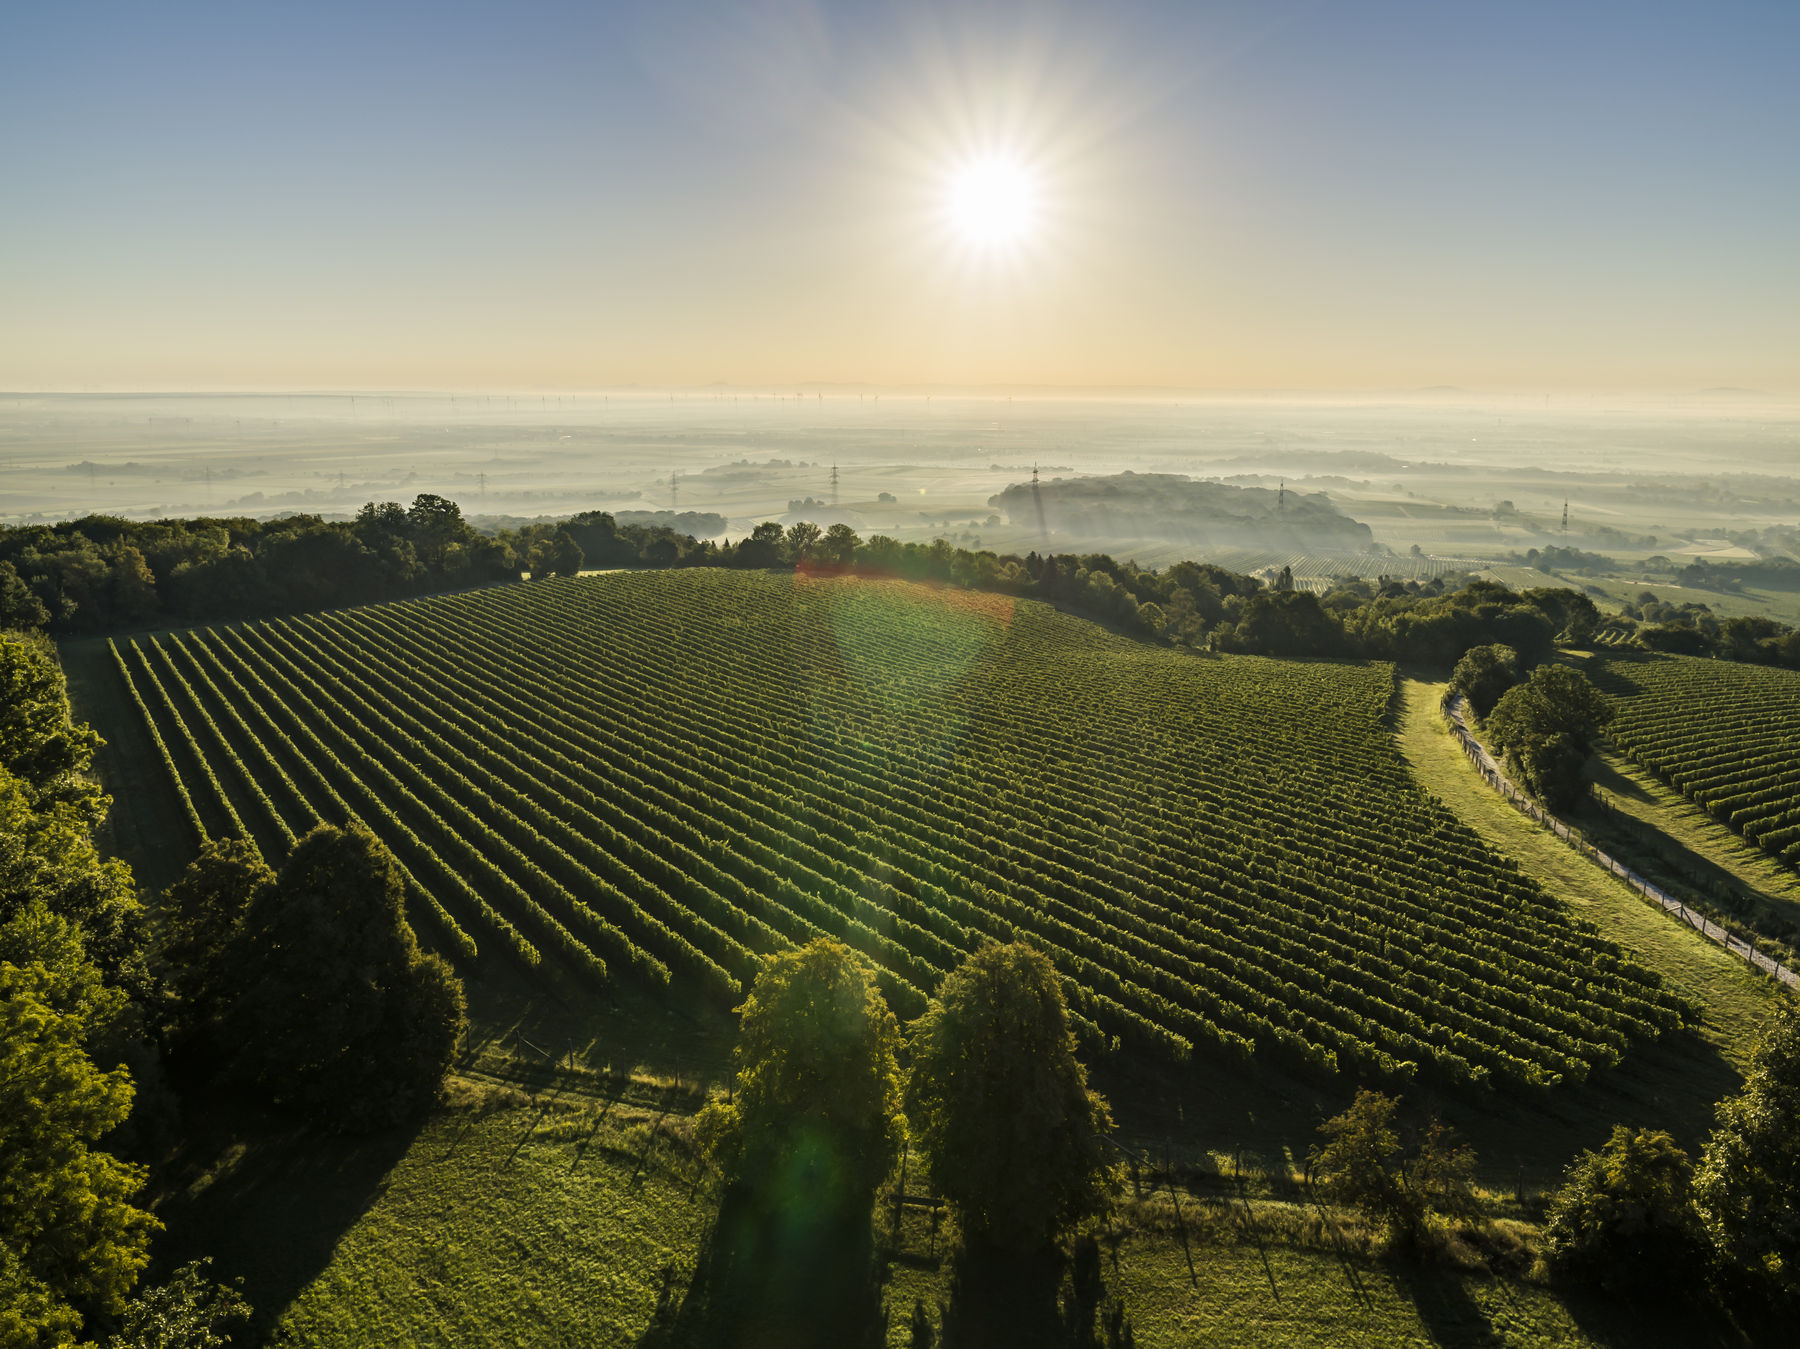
{"points": [[1734, 999]]}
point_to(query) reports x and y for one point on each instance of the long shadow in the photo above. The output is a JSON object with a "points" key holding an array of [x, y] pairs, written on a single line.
{"points": [[776, 1277], [1041, 1301], [267, 1197], [1450, 1316], [1002, 1303], [1683, 1318]]}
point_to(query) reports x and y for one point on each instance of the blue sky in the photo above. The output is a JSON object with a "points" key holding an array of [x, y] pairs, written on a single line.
{"points": [[1271, 195]]}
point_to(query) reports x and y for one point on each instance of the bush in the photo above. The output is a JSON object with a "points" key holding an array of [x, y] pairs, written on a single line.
{"points": [[1624, 1217]]}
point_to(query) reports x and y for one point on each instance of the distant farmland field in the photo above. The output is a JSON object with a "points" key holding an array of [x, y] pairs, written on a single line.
{"points": [[1724, 733], [667, 776]]}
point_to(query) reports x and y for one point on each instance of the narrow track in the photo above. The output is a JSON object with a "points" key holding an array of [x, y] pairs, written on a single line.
{"points": [[1495, 778]]}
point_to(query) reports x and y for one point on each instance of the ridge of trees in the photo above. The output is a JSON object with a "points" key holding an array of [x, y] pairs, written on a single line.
{"points": [[101, 573]]}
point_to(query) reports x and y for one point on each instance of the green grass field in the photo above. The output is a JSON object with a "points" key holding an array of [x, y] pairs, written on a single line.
{"points": [[1734, 998], [563, 1218]]}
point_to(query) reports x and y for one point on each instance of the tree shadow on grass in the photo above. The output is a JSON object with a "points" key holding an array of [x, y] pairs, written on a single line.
{"points": [[1441, 1296], [266, 1196], [776, 1277], [1041, 1301], [1682, 1317]]}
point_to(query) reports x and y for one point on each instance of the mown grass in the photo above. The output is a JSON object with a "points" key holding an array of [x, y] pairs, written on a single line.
{"points": [[1735, 1000], [563, 1219], [505, 1220]]}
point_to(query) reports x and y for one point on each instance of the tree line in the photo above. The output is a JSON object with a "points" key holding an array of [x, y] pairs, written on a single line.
{"points": [[105, 573]]}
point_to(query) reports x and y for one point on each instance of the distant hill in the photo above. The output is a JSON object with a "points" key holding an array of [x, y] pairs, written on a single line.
{"points": [[1180, 509]]}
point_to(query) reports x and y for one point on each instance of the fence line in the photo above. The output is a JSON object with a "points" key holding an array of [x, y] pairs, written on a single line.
{"points": [[1489, 770]]}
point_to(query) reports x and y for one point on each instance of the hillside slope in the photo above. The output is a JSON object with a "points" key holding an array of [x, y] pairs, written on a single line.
{"points": [[665, 776]]}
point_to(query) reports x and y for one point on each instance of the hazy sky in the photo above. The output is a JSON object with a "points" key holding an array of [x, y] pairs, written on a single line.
{"points": [[1338, 194]]}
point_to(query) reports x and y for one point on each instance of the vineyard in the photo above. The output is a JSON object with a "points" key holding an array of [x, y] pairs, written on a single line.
{"points": [[1725, 734], [666, 776]]}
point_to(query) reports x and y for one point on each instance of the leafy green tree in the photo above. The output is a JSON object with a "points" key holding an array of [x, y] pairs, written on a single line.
{"points": [[434, 523], [190, 1311], [766, 547], [199, 922], [839, 545], [1012, 1134], [814, 1116], [1747, 1188], [565, 555], [71, 1243], [1546, 728], [1624, 1216], [131, 596], [20, 610], [336, 1010], [48, 856], [39, 743], [1484, 674], [1365, 1163], [1360, 1162], [802, 539]]}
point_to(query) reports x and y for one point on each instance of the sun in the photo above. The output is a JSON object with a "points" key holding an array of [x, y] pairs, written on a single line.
{"points": [[992, 202]]}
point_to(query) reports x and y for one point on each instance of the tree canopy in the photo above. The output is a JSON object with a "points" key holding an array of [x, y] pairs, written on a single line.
{"points": [[1624, 1215], [1364, 1162], [71, 1242], [815, 1109], [334, 1009], [1484, 674], [1747, 1187], [1014, 1138], [1546, 728]]}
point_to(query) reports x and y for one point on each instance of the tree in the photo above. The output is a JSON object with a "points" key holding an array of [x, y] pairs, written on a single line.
{"points": [[336, 1010], [132, 586], [814, 1117], [39, 744], [565, 555], [1360, 1162], [1546, 727], [19, 608], [839, 546], [70, 1240], [1624, 1216], [200, 919], [802, 538], [1747, 1188], [1484, 674], [1365, 1164], [188, 1312], [1012, 1135], [764, 548], [435, 523]]}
